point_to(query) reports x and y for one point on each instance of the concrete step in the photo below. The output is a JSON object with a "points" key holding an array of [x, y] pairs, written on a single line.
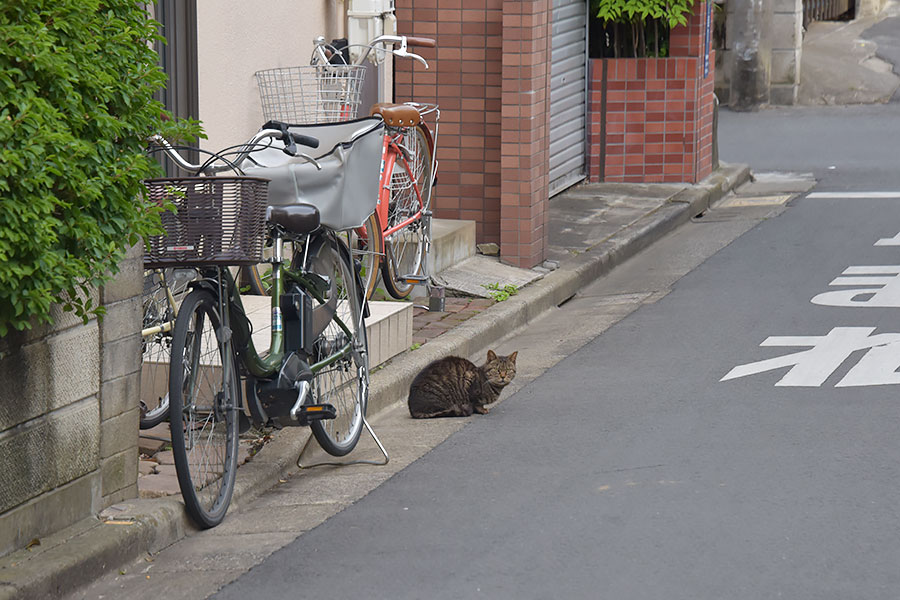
{"points": [[452, 242], [389, 326]]}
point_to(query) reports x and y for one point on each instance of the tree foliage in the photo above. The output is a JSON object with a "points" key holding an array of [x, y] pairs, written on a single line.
{"points": [[77, 85], [637, 27]]}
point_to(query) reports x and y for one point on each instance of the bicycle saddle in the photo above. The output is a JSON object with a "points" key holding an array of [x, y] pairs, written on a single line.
{"points": [[397, 115], [296, 218]]}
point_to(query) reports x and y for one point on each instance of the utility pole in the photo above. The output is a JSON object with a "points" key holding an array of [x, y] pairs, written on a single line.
{"points": [[747, 23]]}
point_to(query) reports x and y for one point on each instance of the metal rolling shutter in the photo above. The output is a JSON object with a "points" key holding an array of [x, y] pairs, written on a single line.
{"points": [[567, 94]]}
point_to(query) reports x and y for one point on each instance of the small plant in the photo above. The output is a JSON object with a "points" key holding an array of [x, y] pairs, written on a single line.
{"points": [[415, 346], [498, 293], [635, 28]]}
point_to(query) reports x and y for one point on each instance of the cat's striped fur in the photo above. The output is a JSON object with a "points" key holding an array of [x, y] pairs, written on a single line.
{"points": [[455, 387]]}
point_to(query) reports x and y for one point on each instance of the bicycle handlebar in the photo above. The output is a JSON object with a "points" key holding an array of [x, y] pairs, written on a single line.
{"points": [[274, 130], [388, 41]]}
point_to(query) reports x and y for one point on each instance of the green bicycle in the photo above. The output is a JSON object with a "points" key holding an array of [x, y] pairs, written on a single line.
{"points": [[316, 370]]}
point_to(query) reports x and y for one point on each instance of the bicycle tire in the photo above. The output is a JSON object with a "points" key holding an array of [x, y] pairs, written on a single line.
{"points": [[156, 342], [344, 384], [250, 281], [405, 250], [366, 248], [203, 410]]}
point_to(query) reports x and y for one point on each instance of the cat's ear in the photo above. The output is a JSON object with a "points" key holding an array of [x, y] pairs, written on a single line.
{"points": [[491, 355], [512, 356]]}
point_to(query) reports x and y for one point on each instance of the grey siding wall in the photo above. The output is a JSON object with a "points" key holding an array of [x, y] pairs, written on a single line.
{"points": [[567, 93]]}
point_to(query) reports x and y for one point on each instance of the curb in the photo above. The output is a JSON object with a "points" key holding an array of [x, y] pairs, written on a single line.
{"points": [[87, 550]]}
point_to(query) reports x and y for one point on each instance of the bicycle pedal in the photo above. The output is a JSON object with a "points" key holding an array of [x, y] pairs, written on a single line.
{"points": [[416, 279], [315, 412]]}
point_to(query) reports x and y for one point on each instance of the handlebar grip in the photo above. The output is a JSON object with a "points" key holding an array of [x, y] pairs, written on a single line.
{"points": [[295, 138], [305, 140], [420, 41]]}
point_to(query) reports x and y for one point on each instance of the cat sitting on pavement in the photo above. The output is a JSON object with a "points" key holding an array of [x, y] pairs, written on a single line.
{"points": [[455, 387]]}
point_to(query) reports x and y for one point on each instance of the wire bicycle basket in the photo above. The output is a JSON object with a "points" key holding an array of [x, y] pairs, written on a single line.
{"points": [[311, 94], [209, 221]]}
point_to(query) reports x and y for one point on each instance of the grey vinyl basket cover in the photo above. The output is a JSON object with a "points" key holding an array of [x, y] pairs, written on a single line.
{"points": [[345, 189]]}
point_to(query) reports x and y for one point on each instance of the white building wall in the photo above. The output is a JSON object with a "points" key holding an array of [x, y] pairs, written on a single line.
{"points": [[236, 38]]}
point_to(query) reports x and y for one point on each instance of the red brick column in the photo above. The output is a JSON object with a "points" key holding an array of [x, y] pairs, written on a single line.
{"points": [[464, 78], [490, 75], [525, 135]]}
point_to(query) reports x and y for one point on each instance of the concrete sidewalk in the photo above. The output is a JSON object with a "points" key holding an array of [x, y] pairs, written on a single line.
{"points": [[592, 228]]}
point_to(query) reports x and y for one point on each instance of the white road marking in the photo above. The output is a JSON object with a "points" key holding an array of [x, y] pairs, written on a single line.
{"points": [[811, 368], [894, 241], [853, 195], [884, 290]]}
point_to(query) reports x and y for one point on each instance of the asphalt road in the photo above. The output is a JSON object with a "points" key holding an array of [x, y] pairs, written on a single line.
{"points": [[645, 465]]}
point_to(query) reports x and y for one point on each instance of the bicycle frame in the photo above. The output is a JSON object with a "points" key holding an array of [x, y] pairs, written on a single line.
{"points": [[265, 366], [391, 152], [170, 299]]}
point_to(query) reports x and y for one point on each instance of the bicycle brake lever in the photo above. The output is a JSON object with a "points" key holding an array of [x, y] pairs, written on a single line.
{"points": [[403, 53], [311, 159]]}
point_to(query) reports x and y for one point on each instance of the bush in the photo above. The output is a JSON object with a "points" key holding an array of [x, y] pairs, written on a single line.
{"points": [[77, 81], [633, 28]]}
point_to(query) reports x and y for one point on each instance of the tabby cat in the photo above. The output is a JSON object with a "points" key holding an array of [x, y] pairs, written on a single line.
{"points": [[454, 387]]}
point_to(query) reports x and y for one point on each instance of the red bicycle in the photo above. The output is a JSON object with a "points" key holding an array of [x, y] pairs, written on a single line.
{"points": [[396, 239]]}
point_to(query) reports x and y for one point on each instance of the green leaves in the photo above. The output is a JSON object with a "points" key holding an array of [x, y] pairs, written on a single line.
{"points": [[498, 293], [639, 27], [77, 85], [674, 12]]}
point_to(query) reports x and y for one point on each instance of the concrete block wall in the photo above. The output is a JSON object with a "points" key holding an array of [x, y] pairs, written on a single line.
{"points": [[773, 36], [69, 414], [787, 41]]}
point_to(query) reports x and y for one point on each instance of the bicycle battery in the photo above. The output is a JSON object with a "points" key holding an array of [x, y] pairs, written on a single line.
{"points": [[296, 311]]}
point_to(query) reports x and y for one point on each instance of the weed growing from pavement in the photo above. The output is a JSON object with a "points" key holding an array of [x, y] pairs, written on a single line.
{"points": [[500, 293]]}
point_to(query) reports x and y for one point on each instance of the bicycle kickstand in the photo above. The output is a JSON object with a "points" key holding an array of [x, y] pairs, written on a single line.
{"points": [[371, 431]]}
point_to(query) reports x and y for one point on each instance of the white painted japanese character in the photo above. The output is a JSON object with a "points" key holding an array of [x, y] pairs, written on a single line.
{"points": [[811, 368], [894, 241], [882, 288]]}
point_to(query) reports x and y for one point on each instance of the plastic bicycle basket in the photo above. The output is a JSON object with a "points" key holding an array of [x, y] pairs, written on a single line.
{"points": [[311, 94], [209, 221]]}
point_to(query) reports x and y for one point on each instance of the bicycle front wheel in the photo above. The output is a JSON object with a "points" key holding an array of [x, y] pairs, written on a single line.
{"points": [[366, 249], [405, 249], [203, 403], [343, 379]]}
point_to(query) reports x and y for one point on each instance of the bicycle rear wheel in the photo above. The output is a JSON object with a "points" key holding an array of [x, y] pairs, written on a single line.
{"points": [[405, 249], [204, 399], [343, 383], [256, 280]]}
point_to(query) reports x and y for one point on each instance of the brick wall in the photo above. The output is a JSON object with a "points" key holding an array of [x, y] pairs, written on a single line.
{"points": [[464, 78], [490, 76], [525, 143], [654, 121]]}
